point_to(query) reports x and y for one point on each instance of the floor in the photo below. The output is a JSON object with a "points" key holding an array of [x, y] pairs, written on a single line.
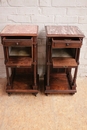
{"points": [[52, 112]]}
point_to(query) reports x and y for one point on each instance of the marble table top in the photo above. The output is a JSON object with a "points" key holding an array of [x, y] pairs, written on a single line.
{"points": [[20, 30], [70, 31]]}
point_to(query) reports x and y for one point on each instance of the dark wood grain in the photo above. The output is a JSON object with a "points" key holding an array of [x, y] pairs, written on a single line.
{"points": [[59, 82], [19, 61], [18, 41], [63, 62], [22, 82]]}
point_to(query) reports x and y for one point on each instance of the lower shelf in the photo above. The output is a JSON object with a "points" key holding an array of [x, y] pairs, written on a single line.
{"points": [[59, 84], [21, 91], [22, 83]]}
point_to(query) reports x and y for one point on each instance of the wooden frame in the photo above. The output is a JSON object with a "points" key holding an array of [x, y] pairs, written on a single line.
{"points": [[62, 37], [22, 77]]}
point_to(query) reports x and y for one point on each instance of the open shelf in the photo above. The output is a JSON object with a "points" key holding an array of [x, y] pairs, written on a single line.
{"points": [[21, 81], [19, 61], [59, 84], [64, 62]]}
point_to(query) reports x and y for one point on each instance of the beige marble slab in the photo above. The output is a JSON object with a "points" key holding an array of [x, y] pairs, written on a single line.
{"points": [[20, 30]]}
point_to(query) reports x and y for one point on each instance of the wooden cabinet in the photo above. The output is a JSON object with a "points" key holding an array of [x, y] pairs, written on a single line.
{"points": [[20, 52], [63, 45]]}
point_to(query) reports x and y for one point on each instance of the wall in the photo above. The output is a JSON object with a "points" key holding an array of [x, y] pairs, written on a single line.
{"points": [[42, 13]]}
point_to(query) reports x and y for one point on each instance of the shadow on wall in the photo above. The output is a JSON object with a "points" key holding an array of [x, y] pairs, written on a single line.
{"points": [[42, 34], [41, 52]]}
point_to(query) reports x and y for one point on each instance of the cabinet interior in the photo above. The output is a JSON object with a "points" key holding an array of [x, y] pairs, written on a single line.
{"points": [[20, 51], [66, 38], [63, 52], [18, 37]]}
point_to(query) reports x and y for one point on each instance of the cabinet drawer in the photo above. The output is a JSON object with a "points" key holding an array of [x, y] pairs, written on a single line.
{"points": [[66, 43], [17, 41]]}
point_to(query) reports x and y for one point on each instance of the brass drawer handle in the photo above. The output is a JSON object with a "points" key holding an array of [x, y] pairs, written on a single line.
{"points": [[67, 44], [65, 66], [18, 66], [17, 43]]}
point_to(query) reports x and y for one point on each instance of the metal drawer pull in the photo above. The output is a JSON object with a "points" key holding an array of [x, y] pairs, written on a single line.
{"points": [[18, 66], [17, 43], [67, 44]]}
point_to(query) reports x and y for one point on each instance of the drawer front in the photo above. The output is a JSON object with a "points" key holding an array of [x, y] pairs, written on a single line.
{"points": [[17, 42], [66, 43]]}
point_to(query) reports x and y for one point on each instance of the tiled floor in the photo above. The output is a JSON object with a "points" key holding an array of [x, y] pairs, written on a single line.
{"points": [[52, 112]]}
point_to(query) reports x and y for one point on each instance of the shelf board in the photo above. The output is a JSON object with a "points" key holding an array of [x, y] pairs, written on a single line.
{"points": [[22, 91], [22, 83], [64, 62], [19, 61], [59, 84], [59, 81]]}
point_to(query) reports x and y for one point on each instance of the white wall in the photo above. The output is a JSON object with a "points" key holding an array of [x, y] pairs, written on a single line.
{"points": [[45, 12]]}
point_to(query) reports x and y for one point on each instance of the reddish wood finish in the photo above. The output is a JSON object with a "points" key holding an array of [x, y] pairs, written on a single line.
{"points": [[23, 68], [19, 61], [63, 62], [59, 82], [62, 52]]}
